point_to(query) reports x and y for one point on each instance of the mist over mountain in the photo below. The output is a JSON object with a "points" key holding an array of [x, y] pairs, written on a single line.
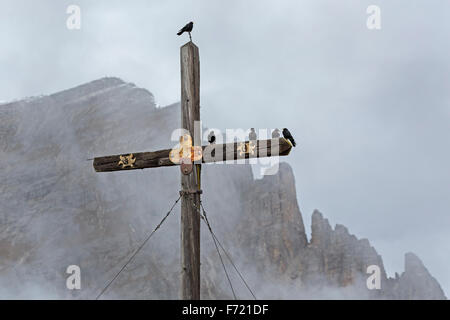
{"points": [[55, 211]]}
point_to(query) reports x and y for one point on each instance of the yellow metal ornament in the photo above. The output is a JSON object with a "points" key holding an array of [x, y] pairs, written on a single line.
{"points": [[246, 148], [127, 161], [186, 152]]}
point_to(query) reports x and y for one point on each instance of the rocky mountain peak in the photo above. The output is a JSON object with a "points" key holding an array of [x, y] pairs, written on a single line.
{"points": [[416, 282], [320, 230], [413, 264]]}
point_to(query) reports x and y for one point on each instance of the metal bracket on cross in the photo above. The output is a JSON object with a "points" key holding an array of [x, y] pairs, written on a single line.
{"points": [[187, 192]]}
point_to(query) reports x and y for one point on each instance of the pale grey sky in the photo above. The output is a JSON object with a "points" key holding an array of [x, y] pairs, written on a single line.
{"points": [[369, 109]]}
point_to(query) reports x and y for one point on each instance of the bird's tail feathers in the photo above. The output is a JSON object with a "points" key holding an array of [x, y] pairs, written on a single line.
{"points": [[179, 33]]}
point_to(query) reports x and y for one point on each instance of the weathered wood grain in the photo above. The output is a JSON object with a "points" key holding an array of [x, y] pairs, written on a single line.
{"points": [[190, 202], [143, 160]]}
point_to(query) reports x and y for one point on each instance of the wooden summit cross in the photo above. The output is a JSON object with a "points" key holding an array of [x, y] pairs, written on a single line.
{"points": [[190, 157]]}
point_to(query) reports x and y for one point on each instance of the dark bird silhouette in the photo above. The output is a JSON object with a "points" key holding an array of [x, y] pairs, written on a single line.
{"points": [[252, 134], [276, 133], [212, 137], [187, 28], [287, 135]]}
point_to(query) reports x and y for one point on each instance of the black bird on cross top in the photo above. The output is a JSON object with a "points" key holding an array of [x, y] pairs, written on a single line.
{"points": [[287, 135], [187, 28]]}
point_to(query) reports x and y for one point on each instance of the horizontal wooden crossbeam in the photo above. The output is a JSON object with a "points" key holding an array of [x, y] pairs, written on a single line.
{"points": [[210, 154]]}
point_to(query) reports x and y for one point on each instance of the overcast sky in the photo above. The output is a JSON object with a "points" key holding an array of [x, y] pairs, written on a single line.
{"points": [[370, 109]]}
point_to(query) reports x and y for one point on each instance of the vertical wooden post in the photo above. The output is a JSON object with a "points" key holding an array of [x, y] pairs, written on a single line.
{"points": [[190, 202]]}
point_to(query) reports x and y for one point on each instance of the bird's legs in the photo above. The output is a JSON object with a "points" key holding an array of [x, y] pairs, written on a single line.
{"points": [[190, 38]]}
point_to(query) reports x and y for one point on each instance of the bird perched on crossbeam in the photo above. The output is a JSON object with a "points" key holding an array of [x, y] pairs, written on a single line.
{"points": [[212, 137], [252, 134], [187, 28], [276, 133], [287, 135]]}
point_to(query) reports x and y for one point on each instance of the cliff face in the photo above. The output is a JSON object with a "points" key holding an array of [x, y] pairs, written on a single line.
{"points": [[333, 264], [56, 211]]}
